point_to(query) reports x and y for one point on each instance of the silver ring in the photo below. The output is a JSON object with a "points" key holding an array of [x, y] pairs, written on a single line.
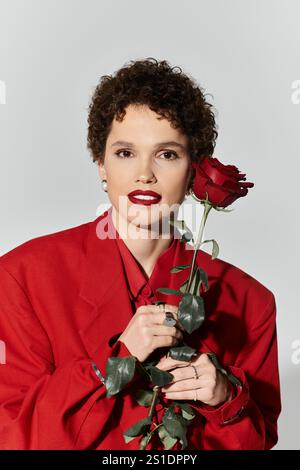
{"points": [[169, 319], [195, 394], [196, 373]]}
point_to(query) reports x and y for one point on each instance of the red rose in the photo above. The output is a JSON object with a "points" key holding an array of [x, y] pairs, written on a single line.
{"points": [[223, 183]]}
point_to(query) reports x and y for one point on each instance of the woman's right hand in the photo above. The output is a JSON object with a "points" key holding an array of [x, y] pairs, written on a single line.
{"points": [[145, 332]]}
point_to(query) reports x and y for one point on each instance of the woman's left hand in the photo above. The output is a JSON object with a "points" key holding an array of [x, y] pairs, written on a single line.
{"points": [[211, 388]]}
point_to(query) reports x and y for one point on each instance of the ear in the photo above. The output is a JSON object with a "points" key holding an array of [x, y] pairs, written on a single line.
{"points": [[101, 170]]}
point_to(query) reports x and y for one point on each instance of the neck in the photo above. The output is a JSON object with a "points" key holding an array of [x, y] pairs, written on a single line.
{"points": [[146, 246]]}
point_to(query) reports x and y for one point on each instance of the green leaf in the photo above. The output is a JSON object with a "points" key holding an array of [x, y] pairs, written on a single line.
{"points": [[187, 415], [233, 379], [215, 248], [183, 286], [199, 276], [183, 442], [214, 360], [144, 442], [191, 312], [218, 366], [139, 428], [119, 372], [143, 371], [143, 397], [166, 290], [182, 353], [150, 363], [181, 267], [160, 377], [175, 425], [204, 278], [187, 412], [167, 440]]}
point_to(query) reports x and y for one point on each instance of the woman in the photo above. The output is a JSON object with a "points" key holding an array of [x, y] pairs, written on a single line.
{"points": [[72, 299]]}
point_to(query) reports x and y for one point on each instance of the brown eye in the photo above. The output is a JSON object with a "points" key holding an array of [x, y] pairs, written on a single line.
{"points": [[170, 154], [123, 151]]}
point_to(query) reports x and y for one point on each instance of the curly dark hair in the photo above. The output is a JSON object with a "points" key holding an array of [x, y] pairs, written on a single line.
{"points": [[165, 90]]}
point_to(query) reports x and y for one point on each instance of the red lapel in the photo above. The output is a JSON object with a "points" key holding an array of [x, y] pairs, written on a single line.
{"points": [[104, 307]]}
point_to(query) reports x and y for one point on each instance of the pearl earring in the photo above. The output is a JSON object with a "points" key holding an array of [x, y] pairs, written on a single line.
{"points": [[104, 185]]}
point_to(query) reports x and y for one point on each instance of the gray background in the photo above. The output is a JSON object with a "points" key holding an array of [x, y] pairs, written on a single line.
{"points": [[245, 53]]}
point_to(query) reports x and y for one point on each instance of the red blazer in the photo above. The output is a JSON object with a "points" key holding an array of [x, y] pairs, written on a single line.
{"points": [[64, 295]]}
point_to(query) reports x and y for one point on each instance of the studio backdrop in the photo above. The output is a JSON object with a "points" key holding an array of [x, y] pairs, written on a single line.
{"points": [[244, 53]]}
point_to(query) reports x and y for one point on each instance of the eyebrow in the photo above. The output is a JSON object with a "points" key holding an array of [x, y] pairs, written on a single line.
{"points": [[171, 143]]}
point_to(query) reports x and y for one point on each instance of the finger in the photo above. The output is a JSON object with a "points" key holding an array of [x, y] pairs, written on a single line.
{"points": [[187, 384], [199, 394], [159, 317], [199, 360], [168, 363], [160, 308], [164, 341], [152, 309], [187, 372], [203, 358], [162, 330], [170, 308]]}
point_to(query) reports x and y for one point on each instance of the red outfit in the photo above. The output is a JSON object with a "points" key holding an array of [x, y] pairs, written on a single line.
{"points": [[64, 299]]}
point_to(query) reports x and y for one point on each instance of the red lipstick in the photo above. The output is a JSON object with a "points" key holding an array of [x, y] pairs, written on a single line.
{"points": [[150, 197]]}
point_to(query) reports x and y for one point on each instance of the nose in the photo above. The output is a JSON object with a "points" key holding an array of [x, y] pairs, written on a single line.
{"points": [[146, 174], [147, 179]]}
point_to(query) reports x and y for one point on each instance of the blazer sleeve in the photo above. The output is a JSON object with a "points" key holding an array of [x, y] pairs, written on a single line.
{"points": [[41, 406], [249, 420]]}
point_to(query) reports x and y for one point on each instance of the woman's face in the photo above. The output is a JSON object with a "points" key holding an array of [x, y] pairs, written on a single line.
{"points": [[143, 152]]}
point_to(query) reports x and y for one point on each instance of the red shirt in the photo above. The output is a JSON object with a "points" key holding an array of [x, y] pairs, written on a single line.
{"points": [[142, 291], [65, 295]]}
